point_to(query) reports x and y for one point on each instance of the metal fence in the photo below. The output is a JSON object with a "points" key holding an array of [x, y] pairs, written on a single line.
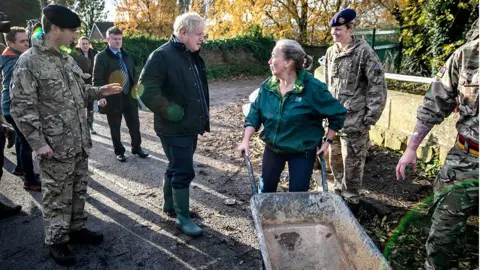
{"points": [[386, 43]]}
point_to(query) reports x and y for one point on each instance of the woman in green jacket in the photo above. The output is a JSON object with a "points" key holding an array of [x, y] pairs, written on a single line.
{"points": [[291, 105]]}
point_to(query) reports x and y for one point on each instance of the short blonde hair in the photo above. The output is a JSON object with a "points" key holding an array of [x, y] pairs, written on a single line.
{"points": [[188, 21]]}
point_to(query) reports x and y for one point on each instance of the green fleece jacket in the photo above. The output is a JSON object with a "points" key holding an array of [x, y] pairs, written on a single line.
{"points": [[294, 123]]}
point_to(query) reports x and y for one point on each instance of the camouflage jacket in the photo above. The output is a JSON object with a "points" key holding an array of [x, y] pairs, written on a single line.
{"points": [[355, 77], [456, 81], [49, 100]]}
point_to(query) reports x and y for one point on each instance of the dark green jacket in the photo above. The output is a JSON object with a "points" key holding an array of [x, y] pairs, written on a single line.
{"points": [[178, 97], [294, 124]]}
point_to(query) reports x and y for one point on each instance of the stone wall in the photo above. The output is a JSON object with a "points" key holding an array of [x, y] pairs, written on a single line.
{"points": [[398, 120]]}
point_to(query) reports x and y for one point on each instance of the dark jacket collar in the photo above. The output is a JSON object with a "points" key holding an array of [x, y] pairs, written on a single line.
{"points": [[111, 54], [180, 46]]}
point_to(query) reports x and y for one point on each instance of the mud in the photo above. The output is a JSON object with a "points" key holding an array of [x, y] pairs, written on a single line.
{"points": [[304, 246]]}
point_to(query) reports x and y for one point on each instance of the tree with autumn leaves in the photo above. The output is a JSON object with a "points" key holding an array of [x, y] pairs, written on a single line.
{"points": [[307, 21], [303, 20], [430, 29]]}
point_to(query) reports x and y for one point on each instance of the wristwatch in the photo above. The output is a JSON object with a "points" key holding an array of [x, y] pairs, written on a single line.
{"points": [[326, 139]]}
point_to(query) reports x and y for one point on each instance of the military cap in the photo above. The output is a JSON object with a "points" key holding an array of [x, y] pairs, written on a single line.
{"points": [[61, 16], [343, 17]]}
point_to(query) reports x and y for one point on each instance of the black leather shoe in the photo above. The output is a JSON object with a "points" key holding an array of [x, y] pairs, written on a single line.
{"points": [[140, 153], [10, 138], [6, 211], [85, 236], [62, 254], [121, 158]]}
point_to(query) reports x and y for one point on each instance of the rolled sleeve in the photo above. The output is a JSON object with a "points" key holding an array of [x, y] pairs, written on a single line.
{"points": [[440, 100]]}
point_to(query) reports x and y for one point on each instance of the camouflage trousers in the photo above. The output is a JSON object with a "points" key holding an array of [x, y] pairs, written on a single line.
{"points": [[64, 189], [455, 199], [346, 160]]}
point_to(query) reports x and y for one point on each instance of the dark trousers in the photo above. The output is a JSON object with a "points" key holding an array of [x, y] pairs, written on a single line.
{"points": [[23, 152], [129, 110], [179, 151], [300, 168]]}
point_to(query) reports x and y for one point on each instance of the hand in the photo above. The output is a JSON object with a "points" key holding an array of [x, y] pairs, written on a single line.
{"points": [[111, 89], [408, 158], [102, 102], [457, 108], [44, 151], [242, 149], [323, 149]]}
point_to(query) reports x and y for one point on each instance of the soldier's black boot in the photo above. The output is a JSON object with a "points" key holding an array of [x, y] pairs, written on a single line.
{"points": [[181, 201], [62, 254], [6, 211], [85, 236]]}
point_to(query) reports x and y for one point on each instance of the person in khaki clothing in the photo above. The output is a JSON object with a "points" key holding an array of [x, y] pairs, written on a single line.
{"points": [[48, 103], [456, 186], [354, 75]]}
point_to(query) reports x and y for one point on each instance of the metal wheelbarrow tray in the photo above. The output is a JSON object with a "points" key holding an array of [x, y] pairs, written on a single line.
{"points": [[308, 230]]}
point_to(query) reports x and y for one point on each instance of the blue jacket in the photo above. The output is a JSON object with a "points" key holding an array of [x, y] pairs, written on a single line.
{"points": [[9, 58]]}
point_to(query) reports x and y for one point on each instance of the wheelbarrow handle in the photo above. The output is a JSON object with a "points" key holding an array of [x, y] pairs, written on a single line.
{"points": [[321, 158], [253, 185]]}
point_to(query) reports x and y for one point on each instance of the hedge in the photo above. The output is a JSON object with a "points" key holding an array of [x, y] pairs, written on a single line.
{"points": [[141, 47]]}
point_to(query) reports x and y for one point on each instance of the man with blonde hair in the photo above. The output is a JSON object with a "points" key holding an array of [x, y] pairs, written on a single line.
{"points": [[175, 88]]}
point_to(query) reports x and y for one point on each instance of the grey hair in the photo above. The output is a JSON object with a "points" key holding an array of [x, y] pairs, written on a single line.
{"points": [[188, 21], [292, 50]]}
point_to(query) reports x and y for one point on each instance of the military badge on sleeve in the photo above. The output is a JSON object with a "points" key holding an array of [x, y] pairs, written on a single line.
{"points": [[440, 73]]}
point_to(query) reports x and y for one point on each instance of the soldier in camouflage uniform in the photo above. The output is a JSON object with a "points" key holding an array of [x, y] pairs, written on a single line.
{"points": [[48, 103], [456, 187], [354, 75]]}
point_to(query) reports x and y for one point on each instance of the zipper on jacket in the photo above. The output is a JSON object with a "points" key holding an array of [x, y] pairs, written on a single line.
{"points": [[199, 88], [280, 112]]}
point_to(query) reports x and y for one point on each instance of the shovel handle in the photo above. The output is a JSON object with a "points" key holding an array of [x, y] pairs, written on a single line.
{"points": [[253, 185], [321, 158]]}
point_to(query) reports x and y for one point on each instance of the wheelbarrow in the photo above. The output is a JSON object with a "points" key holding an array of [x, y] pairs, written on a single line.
{"points": [[310, 230]]}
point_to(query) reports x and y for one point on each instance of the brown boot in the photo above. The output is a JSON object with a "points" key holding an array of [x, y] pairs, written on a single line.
{"points": [[6, 211], [62, 254], [33, 185]]}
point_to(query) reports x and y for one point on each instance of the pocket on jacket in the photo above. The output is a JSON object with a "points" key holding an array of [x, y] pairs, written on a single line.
{"points": [[354, 104], [53, 125], [469, 104], [53, 86]]}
